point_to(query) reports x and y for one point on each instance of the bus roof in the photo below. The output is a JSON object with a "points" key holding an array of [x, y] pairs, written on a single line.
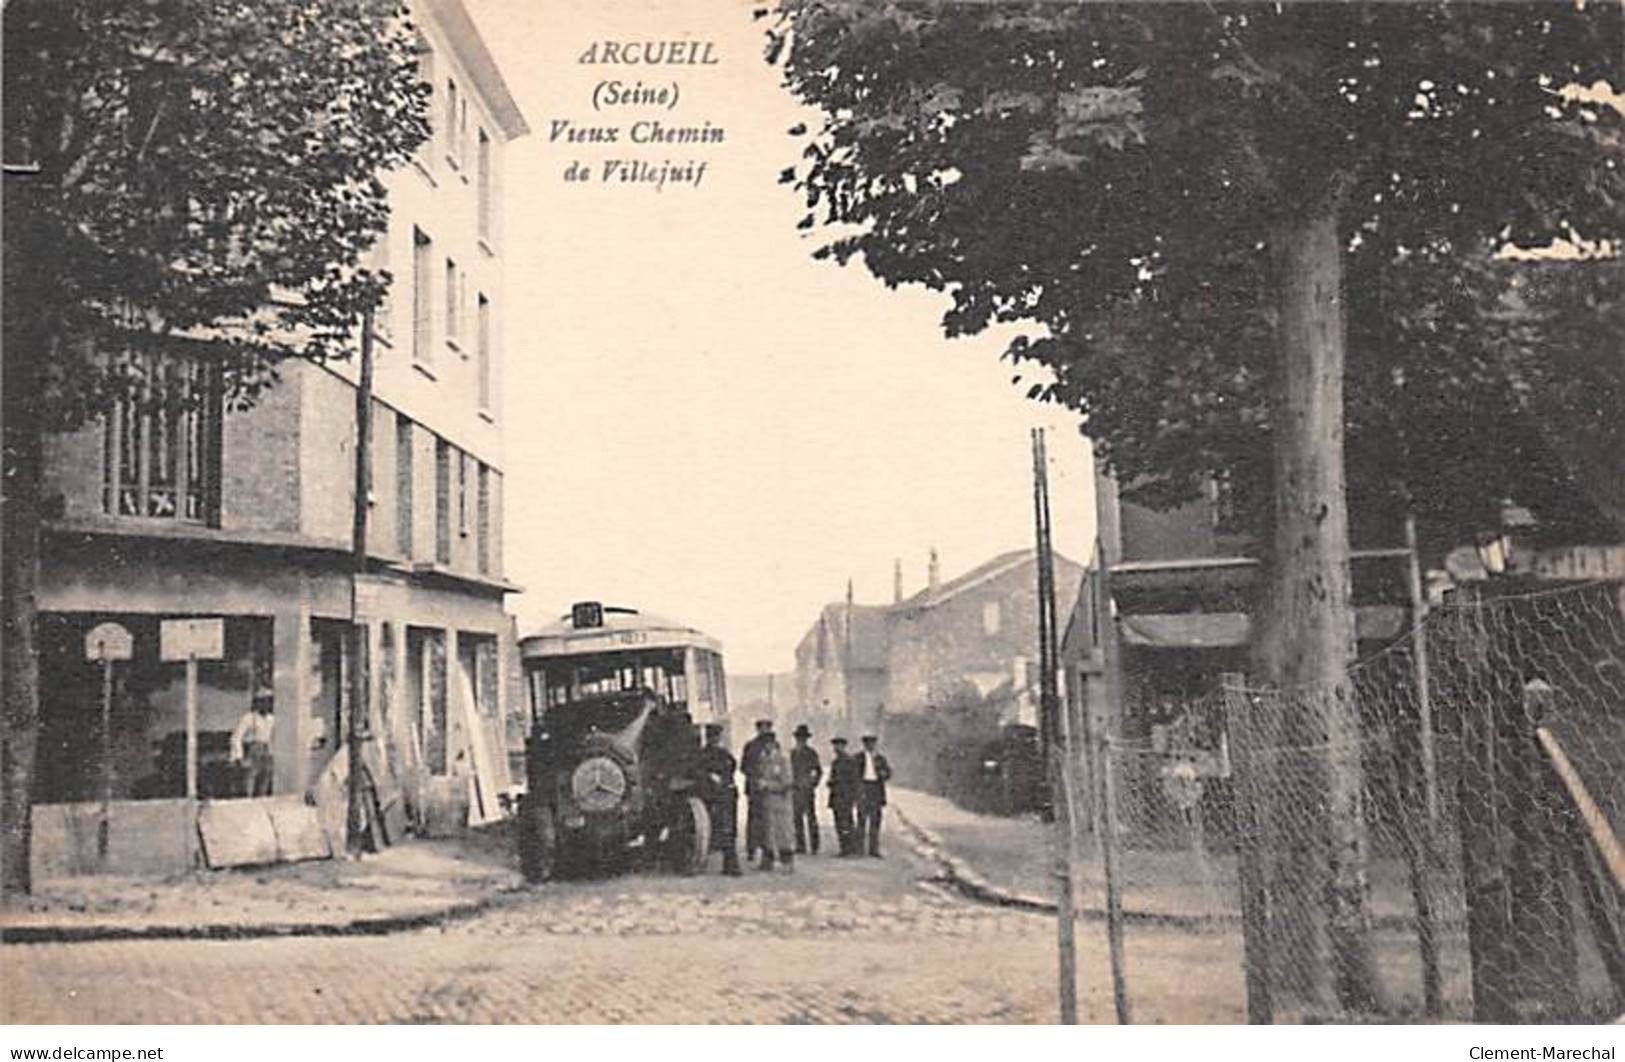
{"points": [[623, 630]]}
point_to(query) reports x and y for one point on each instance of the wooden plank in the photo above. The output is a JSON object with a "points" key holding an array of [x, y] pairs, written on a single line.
{"points": [[298, 827], [236, 833]]}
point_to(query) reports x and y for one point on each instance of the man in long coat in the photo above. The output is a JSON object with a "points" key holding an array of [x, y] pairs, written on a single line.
{"points": [[843, 794], [873, 773], [750, 766], [716, 770], [808, 772]]}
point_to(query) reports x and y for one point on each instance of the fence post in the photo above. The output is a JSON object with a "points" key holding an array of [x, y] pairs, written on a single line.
{"points": [[1249, 851], [1478, 814], [1542, 919], [1111, 660]]}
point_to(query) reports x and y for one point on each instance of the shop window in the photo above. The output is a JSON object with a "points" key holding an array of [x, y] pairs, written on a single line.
{"points": [[329, 687], [426, 689], [148, 719], [477, 654]]}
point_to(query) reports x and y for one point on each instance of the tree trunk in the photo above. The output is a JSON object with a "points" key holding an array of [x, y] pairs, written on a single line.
{"points": [[1306, 637], [22, 443]]}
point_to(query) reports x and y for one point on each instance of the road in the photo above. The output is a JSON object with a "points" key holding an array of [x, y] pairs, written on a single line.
{"points": [[840, 940]]}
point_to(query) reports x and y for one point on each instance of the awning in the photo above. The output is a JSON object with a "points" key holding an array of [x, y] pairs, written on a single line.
{"points": [[1225, 630]]}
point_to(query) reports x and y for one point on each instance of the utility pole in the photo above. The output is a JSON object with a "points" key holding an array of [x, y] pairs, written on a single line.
{"points": [[1105, 775], [1053, 724], [359, 819]]}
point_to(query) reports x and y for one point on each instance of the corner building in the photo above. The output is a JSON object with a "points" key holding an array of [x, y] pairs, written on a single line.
{"points": [[248, 516]]}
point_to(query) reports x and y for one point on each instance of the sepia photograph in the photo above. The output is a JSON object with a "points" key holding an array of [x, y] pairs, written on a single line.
{"points": [[813, 512]]}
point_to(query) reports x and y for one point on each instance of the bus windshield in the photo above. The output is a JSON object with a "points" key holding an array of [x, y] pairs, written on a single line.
{"points": [[557, 681]]}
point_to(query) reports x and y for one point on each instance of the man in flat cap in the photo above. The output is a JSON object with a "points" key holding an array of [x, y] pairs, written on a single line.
{"points": [[806, 772], [873, 772], [721, 797], [749, 765], [843, 794]]}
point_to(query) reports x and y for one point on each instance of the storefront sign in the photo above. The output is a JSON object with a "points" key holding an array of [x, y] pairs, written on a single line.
{"points": [[192, 639], [109, 641]]}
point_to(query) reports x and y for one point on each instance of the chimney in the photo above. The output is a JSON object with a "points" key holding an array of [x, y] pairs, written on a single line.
{"points": [[933, 572], [897, 581]]}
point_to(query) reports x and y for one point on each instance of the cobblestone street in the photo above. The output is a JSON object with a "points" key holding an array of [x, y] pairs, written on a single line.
{"points": [[838, 941]]}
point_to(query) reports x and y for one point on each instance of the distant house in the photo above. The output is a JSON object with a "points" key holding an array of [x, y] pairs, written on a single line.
{"points": [[973, 637]]}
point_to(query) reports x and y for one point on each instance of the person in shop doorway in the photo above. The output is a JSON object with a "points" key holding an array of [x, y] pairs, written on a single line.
{"points": [[251, 745], [873, 773]]}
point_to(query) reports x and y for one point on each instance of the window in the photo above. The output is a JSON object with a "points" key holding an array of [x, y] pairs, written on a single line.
{"points": [[462, 494], [454, 302], [422, 306], [990, 618], [483, 185], [162, 446], [453, 154], [462, 131], [483, 351], [442, 501], [426, 75], [378, 261], [403, 485], [482, 521]]}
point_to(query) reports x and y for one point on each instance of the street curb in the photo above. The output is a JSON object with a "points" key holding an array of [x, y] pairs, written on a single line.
{"points": [[968, 882], [360, 927]]}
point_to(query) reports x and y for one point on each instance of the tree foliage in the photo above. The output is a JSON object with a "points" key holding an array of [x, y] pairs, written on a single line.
{"points": [[203, 169], [1112, 173]]}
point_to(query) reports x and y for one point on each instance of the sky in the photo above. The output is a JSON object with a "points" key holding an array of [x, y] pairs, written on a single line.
{"points": [[704, 422]]}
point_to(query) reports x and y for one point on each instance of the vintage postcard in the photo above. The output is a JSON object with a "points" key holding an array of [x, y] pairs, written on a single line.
{"points": [[815, 512]]}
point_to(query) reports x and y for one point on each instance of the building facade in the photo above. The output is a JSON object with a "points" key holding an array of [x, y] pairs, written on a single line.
{"points": [[248, 516], [973, 637]]}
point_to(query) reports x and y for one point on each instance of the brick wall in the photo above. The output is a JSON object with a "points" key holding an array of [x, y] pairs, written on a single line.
{"points": [[260, 479]]}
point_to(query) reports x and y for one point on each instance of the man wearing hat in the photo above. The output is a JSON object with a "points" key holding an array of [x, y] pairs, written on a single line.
{"points": [[721, 798], [251, 745], [843, 794], [873, 772], [749, 764], [806, 772]]}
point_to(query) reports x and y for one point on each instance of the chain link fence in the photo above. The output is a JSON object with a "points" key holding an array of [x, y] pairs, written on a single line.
{"points": [[1435, 838]]}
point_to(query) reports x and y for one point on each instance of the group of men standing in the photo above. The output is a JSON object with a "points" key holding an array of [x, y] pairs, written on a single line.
{"points": [[781, 791]]}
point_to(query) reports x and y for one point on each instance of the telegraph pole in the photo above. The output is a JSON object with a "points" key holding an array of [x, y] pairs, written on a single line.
{"points": [[359, 818], [1051, 723]]}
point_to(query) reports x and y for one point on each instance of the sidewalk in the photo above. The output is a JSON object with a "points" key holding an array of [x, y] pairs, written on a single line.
{"points": [[1012, 861], [414, 884]]}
